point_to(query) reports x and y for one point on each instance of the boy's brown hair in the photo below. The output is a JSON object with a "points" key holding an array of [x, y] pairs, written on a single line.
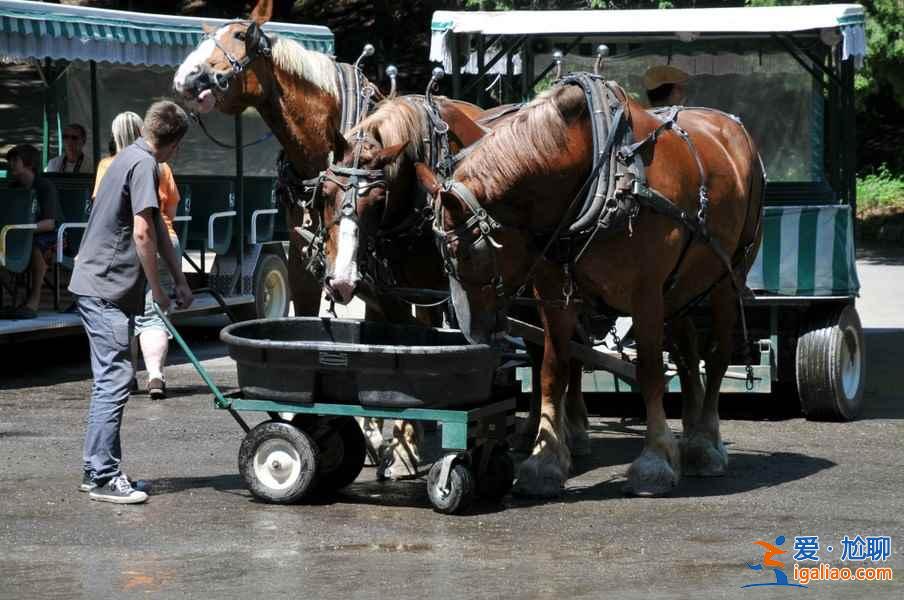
{"points": [[165, 123], [28, 154]]}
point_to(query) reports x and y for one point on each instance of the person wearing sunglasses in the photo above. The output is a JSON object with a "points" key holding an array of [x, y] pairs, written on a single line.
{"points": [[73, 159]]}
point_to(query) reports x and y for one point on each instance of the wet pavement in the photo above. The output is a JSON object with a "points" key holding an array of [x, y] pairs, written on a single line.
{"points": [[202, 535]]}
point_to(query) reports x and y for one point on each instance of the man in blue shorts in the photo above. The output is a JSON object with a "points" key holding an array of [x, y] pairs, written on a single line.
{"points": [[117, 258], [24, 167]]}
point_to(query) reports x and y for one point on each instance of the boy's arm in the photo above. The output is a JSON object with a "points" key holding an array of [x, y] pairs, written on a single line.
{"points": [[174, 264], [145, 235]]}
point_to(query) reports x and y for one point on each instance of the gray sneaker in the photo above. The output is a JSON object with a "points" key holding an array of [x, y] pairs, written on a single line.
{"points": [[119, 491], [88, 484]]}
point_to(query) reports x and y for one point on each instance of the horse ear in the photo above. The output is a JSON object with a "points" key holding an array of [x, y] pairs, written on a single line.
{"points": [[252, 39], [427, 178], [389, 155], [262, 12], [463, 127]]}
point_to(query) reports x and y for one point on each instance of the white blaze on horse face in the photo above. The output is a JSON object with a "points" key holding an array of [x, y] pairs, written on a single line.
{"points": [[345, 271], [193, 64]]}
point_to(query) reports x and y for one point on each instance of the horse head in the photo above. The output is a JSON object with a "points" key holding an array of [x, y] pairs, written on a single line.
{"points": [[484, 258], [371, 194], [354, 199]]}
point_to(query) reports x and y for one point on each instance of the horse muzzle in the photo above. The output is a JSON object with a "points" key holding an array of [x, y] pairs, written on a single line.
{"points": [[199, 87], [340, 290]]}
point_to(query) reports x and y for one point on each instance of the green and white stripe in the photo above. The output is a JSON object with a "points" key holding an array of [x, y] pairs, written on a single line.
{"points": [[806, 251], [38, 30]]}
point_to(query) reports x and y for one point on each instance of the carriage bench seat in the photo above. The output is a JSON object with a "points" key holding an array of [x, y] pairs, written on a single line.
{"points": [[17, 226]]}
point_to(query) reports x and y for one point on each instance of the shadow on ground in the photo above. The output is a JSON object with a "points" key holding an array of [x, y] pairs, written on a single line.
{"points": [[29, 366]]}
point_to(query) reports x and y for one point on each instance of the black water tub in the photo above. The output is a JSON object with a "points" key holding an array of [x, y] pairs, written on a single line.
{"points": [[309, 359]]}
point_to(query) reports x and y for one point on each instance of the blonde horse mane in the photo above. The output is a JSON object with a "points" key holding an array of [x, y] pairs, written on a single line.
{"points": [[317, 68], [528, 144], [395, 121]]}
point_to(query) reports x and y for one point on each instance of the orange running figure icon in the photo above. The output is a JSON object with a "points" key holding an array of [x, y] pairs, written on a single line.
{"points": [[771, 550]]}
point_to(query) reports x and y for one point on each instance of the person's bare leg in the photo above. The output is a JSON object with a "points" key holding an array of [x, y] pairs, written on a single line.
{"points": [[154, 346], [37, 268]]}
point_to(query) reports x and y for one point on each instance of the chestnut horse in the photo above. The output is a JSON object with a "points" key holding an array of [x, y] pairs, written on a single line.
{"points": [[297, 93], [518, 186], [385, 239], [388, 242]]}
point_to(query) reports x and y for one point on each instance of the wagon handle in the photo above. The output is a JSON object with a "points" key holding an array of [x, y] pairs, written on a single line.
{"points": [[219, 399]]}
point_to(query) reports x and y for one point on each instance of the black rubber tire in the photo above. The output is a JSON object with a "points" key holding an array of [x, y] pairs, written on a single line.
{"points": [[831, 365], [460, 494], [342, 452], [499, 477], [263, 443], [271, 265]]}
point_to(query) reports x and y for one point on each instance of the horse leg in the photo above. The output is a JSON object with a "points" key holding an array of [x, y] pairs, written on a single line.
{"points": [[544, 473], [404, 457], [576, 412], [704, 453], [656, 470], [683, 335]]}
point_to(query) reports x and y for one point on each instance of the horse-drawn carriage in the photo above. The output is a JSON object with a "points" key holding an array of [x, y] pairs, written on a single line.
{"points": [[596, 205], [673, 220]]}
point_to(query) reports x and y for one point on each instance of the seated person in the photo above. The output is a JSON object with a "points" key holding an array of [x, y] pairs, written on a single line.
{"points": [[666, 86], [24, 167], [73, 159]]}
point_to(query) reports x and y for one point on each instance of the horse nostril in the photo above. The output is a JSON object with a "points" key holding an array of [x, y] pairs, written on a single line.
{"points": [[221, 80]]}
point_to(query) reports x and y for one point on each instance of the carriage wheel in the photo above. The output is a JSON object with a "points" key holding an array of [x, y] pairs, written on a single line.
{"points": [[278, 462], [830, 365], [499, 475], [459, 492], [271, 287], [342, 452]]}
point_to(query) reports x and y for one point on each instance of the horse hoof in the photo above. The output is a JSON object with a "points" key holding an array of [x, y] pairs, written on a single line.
{"points": [[579, 444], [396, 467], [650, 475], [538, 478], [701, 458]]}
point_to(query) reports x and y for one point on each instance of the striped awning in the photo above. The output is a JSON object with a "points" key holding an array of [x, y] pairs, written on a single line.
{"points": [[38, 30], [806, 251]]}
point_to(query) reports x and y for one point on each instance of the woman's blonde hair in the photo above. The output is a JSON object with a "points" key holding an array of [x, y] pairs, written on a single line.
{"points": [[126, 129]]}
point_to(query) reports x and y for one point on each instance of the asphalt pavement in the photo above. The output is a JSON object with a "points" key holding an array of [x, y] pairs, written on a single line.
{"points": [[202, 535]]}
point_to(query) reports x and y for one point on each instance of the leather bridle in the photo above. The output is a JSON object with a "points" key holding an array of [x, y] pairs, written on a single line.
{"points": [[257, 44]]}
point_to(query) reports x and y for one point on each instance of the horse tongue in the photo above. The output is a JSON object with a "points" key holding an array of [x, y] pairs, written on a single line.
{"points": [[206, 101]]}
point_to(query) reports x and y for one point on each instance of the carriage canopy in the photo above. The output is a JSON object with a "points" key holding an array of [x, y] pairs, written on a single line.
{"points": [[39, 30]]}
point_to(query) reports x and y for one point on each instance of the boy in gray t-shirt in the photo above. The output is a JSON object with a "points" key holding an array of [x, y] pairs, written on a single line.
{"points": [[117, 257]]}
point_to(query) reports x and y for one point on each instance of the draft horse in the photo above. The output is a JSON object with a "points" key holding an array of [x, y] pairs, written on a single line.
{"points": [[377, 226], [682, 207], [379, 235], [306, 98]]}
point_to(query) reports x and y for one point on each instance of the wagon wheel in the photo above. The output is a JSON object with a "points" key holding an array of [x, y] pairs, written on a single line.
{"points": [[342, 452], [459, 492], [495, 479], [831, 364], [278, 462]]}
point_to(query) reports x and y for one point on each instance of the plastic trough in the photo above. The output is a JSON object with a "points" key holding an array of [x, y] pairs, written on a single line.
{"points": [[309, 359]]}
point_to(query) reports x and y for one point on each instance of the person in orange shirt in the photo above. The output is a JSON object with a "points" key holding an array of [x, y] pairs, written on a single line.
{"points": [[150, 331]]}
